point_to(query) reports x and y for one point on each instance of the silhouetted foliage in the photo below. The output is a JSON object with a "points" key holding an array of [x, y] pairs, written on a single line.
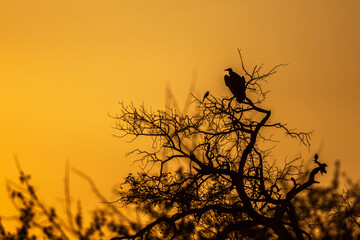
{"points": [[37, 221], [209, 175], [331, 212]]}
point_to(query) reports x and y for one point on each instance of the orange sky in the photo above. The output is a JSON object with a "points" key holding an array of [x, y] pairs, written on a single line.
{"points": [[65, 64]]}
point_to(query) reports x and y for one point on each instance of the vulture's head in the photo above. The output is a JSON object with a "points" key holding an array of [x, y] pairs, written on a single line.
{"points": [[229, 70]]}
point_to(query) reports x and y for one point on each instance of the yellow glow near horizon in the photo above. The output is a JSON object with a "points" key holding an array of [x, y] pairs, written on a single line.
{"points": [[65, 64]]}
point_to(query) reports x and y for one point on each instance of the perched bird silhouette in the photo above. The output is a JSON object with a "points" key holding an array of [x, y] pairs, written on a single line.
{"points": [[236, 84], [321, 165], [206, 95]]}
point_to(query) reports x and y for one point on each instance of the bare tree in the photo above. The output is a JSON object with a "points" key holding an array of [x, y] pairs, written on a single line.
{"points": [[217, 179], [209, 175]]}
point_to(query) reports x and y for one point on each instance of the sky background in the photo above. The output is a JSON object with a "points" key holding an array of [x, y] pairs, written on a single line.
{"points": [[64, 65]]}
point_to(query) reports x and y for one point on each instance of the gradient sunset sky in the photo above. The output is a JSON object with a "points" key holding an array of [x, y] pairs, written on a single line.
{"points": [[64, 65]]}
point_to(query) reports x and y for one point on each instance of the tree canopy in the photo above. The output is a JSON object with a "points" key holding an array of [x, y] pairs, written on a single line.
{"points": [[209, 176]]}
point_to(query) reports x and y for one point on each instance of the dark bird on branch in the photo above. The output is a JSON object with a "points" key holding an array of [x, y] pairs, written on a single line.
{"points": [[236, 84], [206, 95], [321, 165]]}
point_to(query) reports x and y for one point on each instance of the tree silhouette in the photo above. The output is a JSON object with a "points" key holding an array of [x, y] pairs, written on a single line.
{"points": [[215, 179], [209, 175]]}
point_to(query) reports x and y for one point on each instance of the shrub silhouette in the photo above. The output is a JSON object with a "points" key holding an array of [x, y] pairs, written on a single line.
{"points": [[38, 221]]}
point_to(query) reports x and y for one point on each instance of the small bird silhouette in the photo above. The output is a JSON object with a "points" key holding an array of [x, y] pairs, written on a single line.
{"points": [[321, 165], [236, 84], [206, 95]]}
